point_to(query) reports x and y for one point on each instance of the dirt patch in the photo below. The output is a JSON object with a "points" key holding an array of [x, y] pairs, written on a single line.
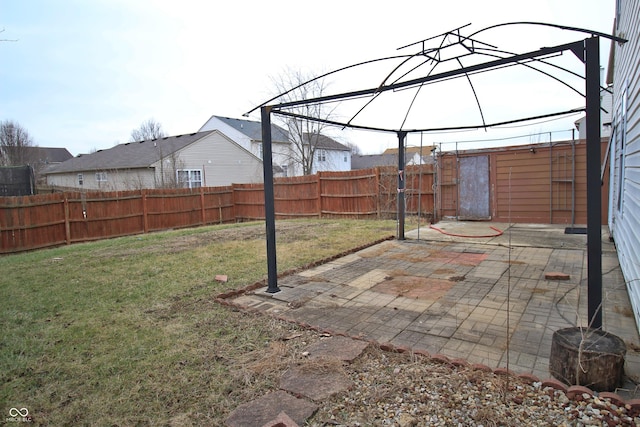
{"points": [[410, 257], [286, 232], [414, 287], [540, 291], [470, 259], [625, 311], [378, 250], [444, 271]]}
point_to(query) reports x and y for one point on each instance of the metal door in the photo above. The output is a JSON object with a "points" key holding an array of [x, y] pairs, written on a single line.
{"points": [[474, 188]]}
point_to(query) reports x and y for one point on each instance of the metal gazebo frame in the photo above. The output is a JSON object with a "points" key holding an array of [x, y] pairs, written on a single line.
{"points": [[587, 51]]}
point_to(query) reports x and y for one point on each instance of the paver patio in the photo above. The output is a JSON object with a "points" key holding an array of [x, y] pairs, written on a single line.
{"points": [[485, 300]]}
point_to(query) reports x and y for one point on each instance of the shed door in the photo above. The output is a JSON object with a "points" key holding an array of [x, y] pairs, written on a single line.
{"points": [[474, 188]]}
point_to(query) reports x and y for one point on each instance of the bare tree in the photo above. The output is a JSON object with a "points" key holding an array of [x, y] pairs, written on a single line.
{"points": [[355, 149], [304, 134], [149, 129], [16, 145]]}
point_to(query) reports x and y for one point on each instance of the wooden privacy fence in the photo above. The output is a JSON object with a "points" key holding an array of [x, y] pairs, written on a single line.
{"points": [[33, 222]]}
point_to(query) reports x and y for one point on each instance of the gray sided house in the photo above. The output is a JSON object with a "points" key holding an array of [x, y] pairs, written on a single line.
{"points": [[330, 155], [248, 134], [202, 159], [624, 202]]}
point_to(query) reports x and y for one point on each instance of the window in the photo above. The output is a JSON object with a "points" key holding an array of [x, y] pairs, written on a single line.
{"points": [[322, 155], [261, 148], [285, 170], [189, 178], [80, 179], [101, 176], [345, 157]]}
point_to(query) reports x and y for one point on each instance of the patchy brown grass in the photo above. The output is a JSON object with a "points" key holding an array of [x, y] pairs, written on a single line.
{"points": [[126, 331]]}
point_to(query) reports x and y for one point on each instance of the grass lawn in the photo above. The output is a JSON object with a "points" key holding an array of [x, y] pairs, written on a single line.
{"points": [[125, 331]]}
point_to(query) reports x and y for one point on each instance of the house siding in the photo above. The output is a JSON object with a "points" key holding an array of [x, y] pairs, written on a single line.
{"points": [[281, 152], [335, 161], [625, 152], [222, 161], [123, 179]]}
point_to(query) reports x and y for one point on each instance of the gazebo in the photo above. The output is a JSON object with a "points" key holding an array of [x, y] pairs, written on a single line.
{"points": [[438, 59]]}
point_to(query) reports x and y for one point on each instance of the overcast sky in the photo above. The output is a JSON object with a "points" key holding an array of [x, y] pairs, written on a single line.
{"points": [[81, 74]]}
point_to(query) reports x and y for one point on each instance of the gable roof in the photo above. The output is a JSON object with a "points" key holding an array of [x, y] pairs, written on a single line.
{"points": [[253, 129], [129, 155], [49, 154], [325, 142], [42, 155], [367, 161]]}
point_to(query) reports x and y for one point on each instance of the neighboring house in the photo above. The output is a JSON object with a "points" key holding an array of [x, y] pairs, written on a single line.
{"points": [[606, 104], [199, 159], [390, 158], [624, 199], [38, 158], [330, 155], [367, 161], [414, 155], [248, 134], [51, 155]]}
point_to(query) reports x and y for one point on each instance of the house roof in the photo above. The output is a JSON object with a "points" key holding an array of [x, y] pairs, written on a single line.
{"points": [[426, 150], [129, 155], [51, 154], [43, 155], [372, 160], [253, 129], [327, 143]]}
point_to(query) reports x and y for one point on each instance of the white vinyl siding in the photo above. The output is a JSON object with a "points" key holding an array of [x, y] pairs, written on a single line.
{"points": [[333, 160], [625, 154]]}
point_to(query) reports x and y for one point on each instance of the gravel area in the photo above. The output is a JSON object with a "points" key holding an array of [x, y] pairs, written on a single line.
{"points": [[392, 389]]}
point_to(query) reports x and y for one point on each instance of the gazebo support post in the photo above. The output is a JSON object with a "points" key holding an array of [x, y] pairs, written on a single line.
{"points": [[594, 183], [401, 184], [269, 201]]}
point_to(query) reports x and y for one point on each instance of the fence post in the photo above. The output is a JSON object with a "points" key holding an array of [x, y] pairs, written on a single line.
{"points": [[220, 208], [145, 217], [202, 209], [67, 226], [378, 190], [319, 199]]}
